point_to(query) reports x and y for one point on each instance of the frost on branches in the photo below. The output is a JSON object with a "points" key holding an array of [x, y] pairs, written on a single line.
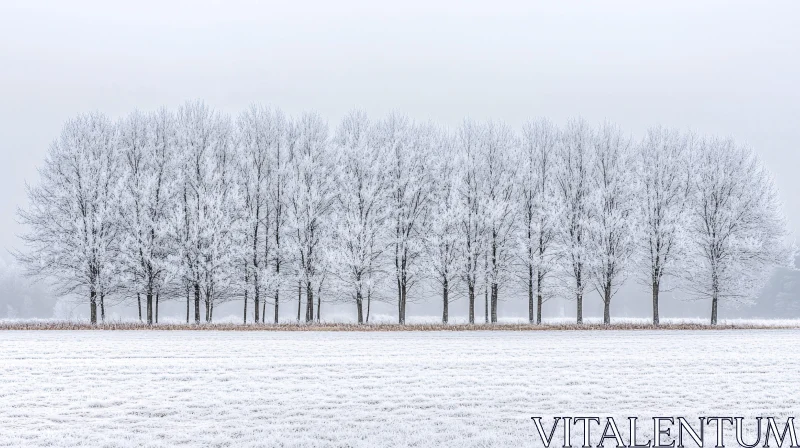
{"points": [[361, 210], [310, 195], [195, 206], [410, 189], [72, 232], [736, 228], [539, 212], [147, 151], [573, 178], [612, 224], [442, 240], [664, 173]]}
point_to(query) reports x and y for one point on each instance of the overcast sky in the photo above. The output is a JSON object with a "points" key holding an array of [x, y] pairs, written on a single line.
{"points": [[718, 67]]}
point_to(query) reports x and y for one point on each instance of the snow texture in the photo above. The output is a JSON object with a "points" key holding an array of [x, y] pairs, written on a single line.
{"points": [[310, 389]]}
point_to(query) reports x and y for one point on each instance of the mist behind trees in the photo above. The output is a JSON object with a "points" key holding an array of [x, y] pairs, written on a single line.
{"points": [[160, 207], [23, 298]]}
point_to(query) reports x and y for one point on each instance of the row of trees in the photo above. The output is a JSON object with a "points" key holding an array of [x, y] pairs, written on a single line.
{"points": [[196, 205]]}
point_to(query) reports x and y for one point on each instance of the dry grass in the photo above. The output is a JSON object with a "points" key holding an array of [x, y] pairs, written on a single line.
{"points": [[68, 325]]}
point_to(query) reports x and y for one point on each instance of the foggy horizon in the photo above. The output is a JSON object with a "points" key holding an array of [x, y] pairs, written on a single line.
{"points": [[717, 68]]}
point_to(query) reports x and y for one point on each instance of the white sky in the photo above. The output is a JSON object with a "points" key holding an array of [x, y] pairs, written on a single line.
{"points": [[722, 67]]}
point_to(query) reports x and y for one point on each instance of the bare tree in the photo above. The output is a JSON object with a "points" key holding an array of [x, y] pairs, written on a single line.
{"points": [[538, 211], [72, 232], [612, 219], [442, 239], [471, 221], [311, 197], [498, 152], [203, 223], [260, 139], [663, 170], [278, 187], [146, 143], [573, 179], [407, 147], [361, 211], [737, 230]]}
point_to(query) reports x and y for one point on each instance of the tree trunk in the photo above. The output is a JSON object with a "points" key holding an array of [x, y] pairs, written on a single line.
{"points": [[485, 304], [102, 307], [278, 240], [445, 301], [197, 303], [149, 299], [277, 296], [714, 295], [579, 299], [471, 294], [309, 303], [539, 298], [211, 313], [493, 286], [607, 304], [93, 308], [494, 303], [245, 308], [359, 308], [369, 300], [319, 305], [139, 301], [655, 302], [403, 296], [256, 302], [299, 298], [399, 300], [188, 300], [714, 308], [157, 297], [530, 294]]}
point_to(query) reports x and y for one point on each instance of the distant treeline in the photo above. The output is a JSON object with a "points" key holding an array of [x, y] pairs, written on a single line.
{"points": [[275, 210]]}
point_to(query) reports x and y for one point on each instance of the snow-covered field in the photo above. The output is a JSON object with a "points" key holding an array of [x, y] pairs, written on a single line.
{"points": [[425, 389], [435, 320]]}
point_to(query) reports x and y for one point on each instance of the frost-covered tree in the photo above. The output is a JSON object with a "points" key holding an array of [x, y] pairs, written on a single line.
{"points": [[260, 140], [161, 202], [203, 222], [221, 217], [498, 154], [442, 240], [471, 208], [310, 197], [573, 179], [613, 222], [737, 230], [408, 150], [538, 214], [361, 208], [663, 171], [72, 233], [146, 148], [277, 200]]}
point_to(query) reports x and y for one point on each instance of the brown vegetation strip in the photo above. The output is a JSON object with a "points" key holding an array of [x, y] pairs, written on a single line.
{"points": [[377, 327]]}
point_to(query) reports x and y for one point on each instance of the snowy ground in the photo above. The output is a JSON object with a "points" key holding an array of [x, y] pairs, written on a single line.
{"points": [[468, 389], [454, 320]]}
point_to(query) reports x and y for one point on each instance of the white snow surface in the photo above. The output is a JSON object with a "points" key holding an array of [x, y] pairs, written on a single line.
{"points": [[376, 389]]}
